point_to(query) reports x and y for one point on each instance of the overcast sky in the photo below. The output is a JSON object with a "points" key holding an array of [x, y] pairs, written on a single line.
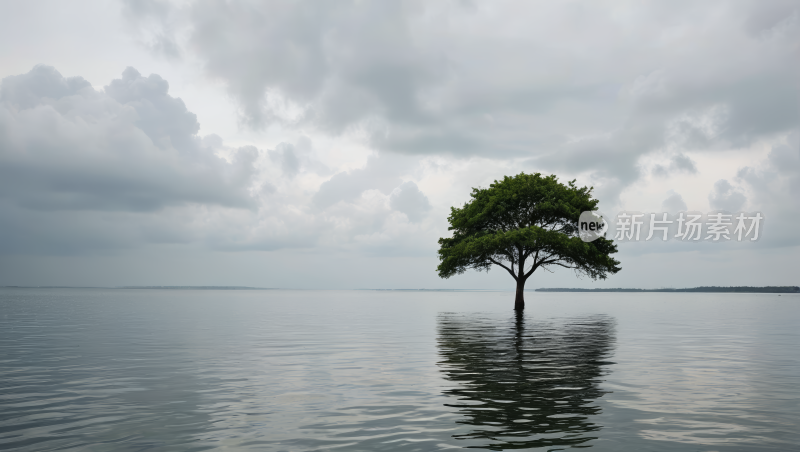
{"points": [[321, 144]]}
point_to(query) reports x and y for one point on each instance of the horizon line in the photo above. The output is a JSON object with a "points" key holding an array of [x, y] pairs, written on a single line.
{"points": [[783, 289]]}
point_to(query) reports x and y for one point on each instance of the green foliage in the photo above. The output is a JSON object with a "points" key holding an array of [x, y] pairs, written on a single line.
{"points": [[528, 216]]}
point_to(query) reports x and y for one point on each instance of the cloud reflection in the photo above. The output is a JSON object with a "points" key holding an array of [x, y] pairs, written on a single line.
{"points": [[526, 383]]}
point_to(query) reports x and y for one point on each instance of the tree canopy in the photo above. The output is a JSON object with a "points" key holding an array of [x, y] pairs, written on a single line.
{"points": [[521, 224]]}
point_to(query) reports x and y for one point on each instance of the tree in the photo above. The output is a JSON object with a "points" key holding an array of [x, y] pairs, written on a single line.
{"points": [[524, 223]]}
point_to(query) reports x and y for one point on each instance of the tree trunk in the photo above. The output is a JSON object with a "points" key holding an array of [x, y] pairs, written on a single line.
{"points": [[519, 300]]}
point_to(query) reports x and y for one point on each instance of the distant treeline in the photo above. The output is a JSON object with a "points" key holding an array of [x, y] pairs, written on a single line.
{"points": [[710, 289]]}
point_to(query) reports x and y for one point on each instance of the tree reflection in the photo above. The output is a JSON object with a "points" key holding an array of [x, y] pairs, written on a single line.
{"points": [[526, 383]]}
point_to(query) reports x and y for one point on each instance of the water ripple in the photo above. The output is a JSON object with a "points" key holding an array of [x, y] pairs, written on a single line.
{"points": [[526, 383], [127, 370]]}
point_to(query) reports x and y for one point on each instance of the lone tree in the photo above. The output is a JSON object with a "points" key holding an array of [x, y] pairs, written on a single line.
{"points": [[524, 223]]}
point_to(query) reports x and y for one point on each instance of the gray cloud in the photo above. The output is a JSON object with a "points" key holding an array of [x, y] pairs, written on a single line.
{"points": [[285, 156], [162, 117], [765, 17], [501, 82], [683, 163], [131, 148], [674, 203], [338, 63], [408, 198], [43, 84], [775, 188], [154, 23], [678, 163], [726, 197]]}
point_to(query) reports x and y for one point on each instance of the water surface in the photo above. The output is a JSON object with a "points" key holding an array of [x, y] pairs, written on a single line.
{"points": [[130, 370]]}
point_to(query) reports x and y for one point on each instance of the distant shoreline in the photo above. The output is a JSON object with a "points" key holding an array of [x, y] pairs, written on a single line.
{"points": [[145, 287], [706, 289], [703, 289]]}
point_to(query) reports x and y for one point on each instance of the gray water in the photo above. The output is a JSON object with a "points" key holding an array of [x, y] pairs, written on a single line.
{"points": [[132, 370]]}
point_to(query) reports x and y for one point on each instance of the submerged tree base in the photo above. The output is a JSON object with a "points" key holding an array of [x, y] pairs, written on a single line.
{"points": [[519, 299]]}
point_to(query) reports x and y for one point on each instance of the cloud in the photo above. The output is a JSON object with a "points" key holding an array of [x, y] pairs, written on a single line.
{"points": [[86, 171], [774, 185], [767, 17], [677, 164], [381, 173], [162, 117], [129, 149], [285, 156], [726, 197], [408, 198], [674, 203], [539, 83], [41, 85], [333, 64], [153, 21]]}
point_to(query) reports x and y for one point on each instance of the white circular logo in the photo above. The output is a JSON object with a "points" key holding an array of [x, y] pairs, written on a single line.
{"points": [[592, 225]]}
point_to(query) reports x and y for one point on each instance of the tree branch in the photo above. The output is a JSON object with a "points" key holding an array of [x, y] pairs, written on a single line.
{"points": [[507, 269], [555, 262]]}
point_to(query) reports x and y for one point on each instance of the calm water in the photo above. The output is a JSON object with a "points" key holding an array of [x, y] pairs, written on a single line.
{"points": [[131, 370]]}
